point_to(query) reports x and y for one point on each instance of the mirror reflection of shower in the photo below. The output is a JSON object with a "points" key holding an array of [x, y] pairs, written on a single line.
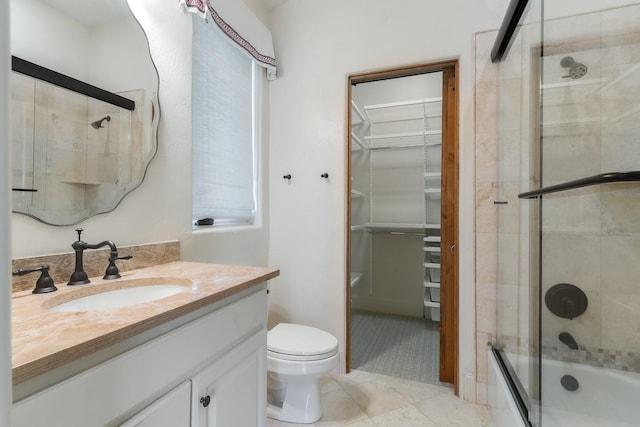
{"points": [[98, 123], [576, 69]]}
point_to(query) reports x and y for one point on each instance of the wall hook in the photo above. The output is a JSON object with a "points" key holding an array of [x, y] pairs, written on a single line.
{"points": [[287, 176], [324, 175]]}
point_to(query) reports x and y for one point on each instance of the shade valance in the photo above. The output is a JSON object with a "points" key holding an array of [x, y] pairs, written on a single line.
{"points": [[239, 23]]}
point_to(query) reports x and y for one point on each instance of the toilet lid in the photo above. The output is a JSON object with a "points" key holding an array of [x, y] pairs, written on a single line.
{"points": [[299, 340]]}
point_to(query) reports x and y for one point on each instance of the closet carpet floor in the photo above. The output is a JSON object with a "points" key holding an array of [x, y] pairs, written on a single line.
{"points": [[397, 346]]}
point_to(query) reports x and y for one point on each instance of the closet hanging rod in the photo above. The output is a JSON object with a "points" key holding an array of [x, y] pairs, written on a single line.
{"points": [[604, 178]]}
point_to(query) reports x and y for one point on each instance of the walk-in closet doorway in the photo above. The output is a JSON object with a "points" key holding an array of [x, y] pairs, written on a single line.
{"points": [[402, 210]]}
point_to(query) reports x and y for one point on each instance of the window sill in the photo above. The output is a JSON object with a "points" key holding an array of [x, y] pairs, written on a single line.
{"points": [[231, 228]]}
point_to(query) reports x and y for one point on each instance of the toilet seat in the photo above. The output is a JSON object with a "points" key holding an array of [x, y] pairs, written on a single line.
{"points": [[283, 356], [289, 341]]}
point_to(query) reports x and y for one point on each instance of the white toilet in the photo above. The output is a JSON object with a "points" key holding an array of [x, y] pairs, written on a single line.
{"points": [[297, 357]]}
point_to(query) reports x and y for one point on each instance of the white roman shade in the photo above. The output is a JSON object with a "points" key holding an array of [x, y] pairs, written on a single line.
{"points": [[239, 23], [223, 129]]}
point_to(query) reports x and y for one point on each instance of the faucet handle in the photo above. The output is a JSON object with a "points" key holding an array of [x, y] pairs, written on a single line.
{"points": [[44, 284], [112, 270], [79, 231]]}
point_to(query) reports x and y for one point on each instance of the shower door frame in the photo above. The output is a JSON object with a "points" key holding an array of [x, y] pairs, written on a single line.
{"points": [[449, 293]]}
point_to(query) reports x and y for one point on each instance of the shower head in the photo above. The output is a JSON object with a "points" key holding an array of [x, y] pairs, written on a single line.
{"points": [[98, 123], [576, 69]]}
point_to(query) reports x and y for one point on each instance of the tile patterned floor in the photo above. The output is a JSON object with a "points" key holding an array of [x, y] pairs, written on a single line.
{"points": [[362, 399]]}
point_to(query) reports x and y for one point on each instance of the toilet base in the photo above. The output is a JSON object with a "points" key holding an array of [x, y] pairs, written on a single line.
{"points": [[294, 402]]}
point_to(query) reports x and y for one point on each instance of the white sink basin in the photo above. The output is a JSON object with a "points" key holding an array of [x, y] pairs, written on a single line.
{"points": [[119, 298]]}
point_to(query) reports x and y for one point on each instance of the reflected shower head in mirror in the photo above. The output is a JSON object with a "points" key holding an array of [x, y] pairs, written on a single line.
{"points": [[576, 69], [98, 123]]}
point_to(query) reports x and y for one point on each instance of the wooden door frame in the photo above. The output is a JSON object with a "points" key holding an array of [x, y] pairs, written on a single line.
{"points": [[449, 292]]}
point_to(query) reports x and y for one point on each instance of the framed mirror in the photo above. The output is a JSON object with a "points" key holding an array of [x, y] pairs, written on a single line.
{"points": [[76, 153]]}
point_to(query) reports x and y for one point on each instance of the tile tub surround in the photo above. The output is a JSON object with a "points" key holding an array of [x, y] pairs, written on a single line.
{"points": [[43, 340], [593, 356], [95, 262], [362, 399]]}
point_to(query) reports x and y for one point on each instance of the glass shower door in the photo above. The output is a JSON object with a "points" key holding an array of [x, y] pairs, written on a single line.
{"points": [[590, 234], [518, 165]]}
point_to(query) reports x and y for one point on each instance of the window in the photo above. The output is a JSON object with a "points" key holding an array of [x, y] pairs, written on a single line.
{"points": [[224, 130]]}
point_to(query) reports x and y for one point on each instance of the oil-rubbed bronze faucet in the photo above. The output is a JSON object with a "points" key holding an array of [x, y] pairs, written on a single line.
{"points": [[79, 276], [44, 283], [567, 339]]}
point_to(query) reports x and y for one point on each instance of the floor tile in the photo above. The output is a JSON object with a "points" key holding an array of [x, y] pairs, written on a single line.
{"points": [[328, 383], [338, 410], [363, 399], [363, 423], [358, 377], [274, 423], [407, 416], [375, 397], [451, 411], [414, 391]]}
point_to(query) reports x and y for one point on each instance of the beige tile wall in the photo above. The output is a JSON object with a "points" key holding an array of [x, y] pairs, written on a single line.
{"points": [[502, 134], [486, 227], [591, 236]]}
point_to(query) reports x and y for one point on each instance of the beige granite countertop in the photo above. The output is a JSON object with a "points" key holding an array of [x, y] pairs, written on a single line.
{"points": [[43, 339]]}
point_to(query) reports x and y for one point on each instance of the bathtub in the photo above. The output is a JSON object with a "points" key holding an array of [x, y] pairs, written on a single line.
{"points": [[604, 397]]}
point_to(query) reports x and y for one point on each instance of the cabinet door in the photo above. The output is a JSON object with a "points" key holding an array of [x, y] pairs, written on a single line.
{"points": [[232, 391], [171, 410]]}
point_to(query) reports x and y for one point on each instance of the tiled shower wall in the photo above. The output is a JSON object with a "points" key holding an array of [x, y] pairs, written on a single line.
{"points": [[486, 227], [591, 236]]}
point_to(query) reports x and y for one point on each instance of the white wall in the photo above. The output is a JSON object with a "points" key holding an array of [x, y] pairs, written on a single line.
{"points": [[54, 30], [259, 9], [160, 209], [5, 229], [317, 45]]}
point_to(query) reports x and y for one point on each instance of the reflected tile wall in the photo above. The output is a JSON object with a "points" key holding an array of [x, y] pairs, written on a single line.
{"points": [[22, 141], [64, 158]]}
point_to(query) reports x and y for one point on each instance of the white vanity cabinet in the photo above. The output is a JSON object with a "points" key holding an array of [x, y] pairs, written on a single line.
{"points": [[217, 351], [171, 410], [232, 391]]}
